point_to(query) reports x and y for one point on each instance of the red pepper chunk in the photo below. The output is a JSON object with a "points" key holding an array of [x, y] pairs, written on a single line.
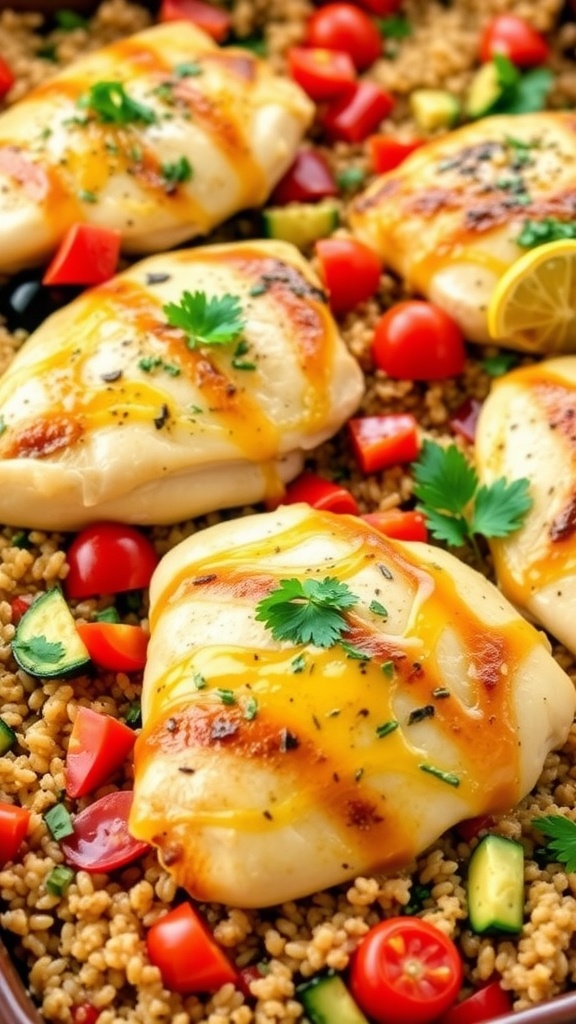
{"points": [[98, 745], [383, 441], [211, 19], [323, 74], [386, 152], [320, 493], [115, 646], [14, 823], [307, 180], [398, 524], [350, 270], [355, 116], [6, 78], [87, 255], [189, 959]]}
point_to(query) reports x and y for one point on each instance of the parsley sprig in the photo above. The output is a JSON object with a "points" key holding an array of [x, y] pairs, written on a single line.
{"points": [[540, 232], [110, 103], [49, 651], [456, 507], [561, 833], [307, 611], [521, 92], [206, 321]]}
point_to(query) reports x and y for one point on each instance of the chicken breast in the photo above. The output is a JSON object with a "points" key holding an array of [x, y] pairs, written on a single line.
{"points": [[448, 220], [527, 428], [270, 767], [162, 136], [109, 411]]}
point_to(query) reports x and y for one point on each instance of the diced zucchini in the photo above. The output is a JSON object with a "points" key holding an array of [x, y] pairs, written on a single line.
{"points": [[484, 91], [7, 737], [326, 1000], [434, 108], [301, 223], [46, 642], [496, 886]]}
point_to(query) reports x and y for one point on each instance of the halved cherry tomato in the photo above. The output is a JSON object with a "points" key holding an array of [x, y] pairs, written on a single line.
{"points": [[7, 78], [516, 39], [210, 18], [465, 420], [350, 270], [382, 441], [101, 840], [307, 180], [107, 558], [88, 254], [345, 27], [386, 152], [97, 747], [115, 646], [404, 970], [415, 340], [356, 115], [320, 493], [323, 74], [398, 523], [14, 822], [19, 606], [470, 828], [85, 1013], [486, 1004], [188, 957]]}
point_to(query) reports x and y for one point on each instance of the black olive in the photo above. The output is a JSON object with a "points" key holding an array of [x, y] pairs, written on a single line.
{"points": [[25, 302]]}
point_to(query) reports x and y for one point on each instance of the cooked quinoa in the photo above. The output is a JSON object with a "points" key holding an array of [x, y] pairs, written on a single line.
{"points": [[88, 946]]}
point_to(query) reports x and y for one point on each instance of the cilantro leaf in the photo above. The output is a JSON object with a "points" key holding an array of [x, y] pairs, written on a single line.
{"points": [[444, 478], [500, 508], [561, 832], [499, 364], [40, 648], [522, 93], [394, 26], [308, 611], [449, 528], [539, 232], [214, 321], [111, 104]]}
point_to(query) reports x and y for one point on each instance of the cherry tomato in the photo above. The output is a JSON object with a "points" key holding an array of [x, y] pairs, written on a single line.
{"points": [[382, 441], [85, 1013], [354, 116], [87, 255], [6, 78], [14, 822], [381, 7], [486, 1004], [398, 524], [516, 39], [188, 957], [386, 152], [415, 340], [98, 745], [470, 828], [465, 419], [101, 840], [210, 18], [320, 493], [350, 270], [405, 970], [307, 180], [115, 646], [345, 27], [107, 558], [323, 74]]}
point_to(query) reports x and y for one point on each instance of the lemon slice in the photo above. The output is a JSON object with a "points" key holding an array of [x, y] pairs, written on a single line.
{"points": [[533, 307]]}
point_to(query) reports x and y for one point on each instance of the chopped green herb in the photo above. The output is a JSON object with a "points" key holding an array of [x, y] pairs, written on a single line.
{"points": [[149, 363], [177, 172], [187, 69], [298, 664], [561, 832], [250, 708], [199, 681], [354, 652], [226, 696], [110, 614], [214, 321], [540, 232], [418, 895], [256, 44], [522, 93], [59, 879], [258, 289], [386, 728], [59, 822], [48, 52], [378, 609], [41, 649], [309, 611], [110, 104], [69, 20], [449, 777], [387, 668], [350, 178], [21, 539], [86, 196], [496, 366], [420, 714], [395, 26], [134, 715]]}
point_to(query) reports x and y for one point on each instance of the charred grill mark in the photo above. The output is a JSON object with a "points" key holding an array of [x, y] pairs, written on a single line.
{"points": [[42, 437], [386, 190], [564, 524], [362, 814]]}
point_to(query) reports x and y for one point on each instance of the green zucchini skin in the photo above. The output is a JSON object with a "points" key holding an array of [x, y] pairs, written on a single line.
{"points": [[46, 642], [7, 737], [496, 886], [302, 224], [326, 1000]]}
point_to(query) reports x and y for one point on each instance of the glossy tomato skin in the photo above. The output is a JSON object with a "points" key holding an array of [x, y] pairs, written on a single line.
{"points": [[97, 747], [398, 524], [115, 646], [516, 39], [101, 840], [108, 558], [14, 823], [348, 28], [405, 970], [206, 16], [350, 271], [320, 493], [87, 255], [188, 957], [416, 340], [307, 180], [487, 1004], [354, 116], [323, 74]]}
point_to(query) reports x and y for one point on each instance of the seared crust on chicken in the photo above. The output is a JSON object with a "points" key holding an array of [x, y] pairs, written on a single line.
{"points": [[269, 768], [109, 411]]}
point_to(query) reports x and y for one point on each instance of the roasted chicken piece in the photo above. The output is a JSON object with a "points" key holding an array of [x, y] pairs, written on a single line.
{"points": [[162, 136], [450, 218], [194, 381], [527, 428], [272, 765]]}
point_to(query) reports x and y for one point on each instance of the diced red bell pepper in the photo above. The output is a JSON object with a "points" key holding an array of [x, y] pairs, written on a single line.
{"points": [[116, 646], [98, 745], [320, 493], [323, 74], [6, 78], [85, 1013], [14, 823], [350, 270], [383, 441], [487, 1004], [399, 524], [189, 959], [386, 152], [307, 180], [208, 17], [87, 255], [470, 828], [355, 116], [465, 420], [19, 606]]}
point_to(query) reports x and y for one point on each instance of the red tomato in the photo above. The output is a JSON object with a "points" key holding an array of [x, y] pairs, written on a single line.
{"points": [[350, 270], [381, 7], [470, 828], [405, 970], [386, 152], [19, 606], [382, 441], [486, 1004], [355, 116], [345, 27], [416, 340], [115, 646], [323, 74], [210, 18], [321, 494], [85, 1013], [97, 747], [88, 254], [398, 524], [465, 420], [308, 180], [188, 957], [14, 822], [6, 78], [107, 558], [101, 840], [516, 39]]}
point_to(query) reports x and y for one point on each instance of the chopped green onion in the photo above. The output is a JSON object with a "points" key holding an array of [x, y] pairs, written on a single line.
{"points": [[59, 879], [59, 821], [449, 777]]}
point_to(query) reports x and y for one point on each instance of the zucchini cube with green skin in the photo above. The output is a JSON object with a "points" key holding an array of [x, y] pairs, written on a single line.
{"points": [[496, 886], [47, 643], [326, 1000], [302, 224]]}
